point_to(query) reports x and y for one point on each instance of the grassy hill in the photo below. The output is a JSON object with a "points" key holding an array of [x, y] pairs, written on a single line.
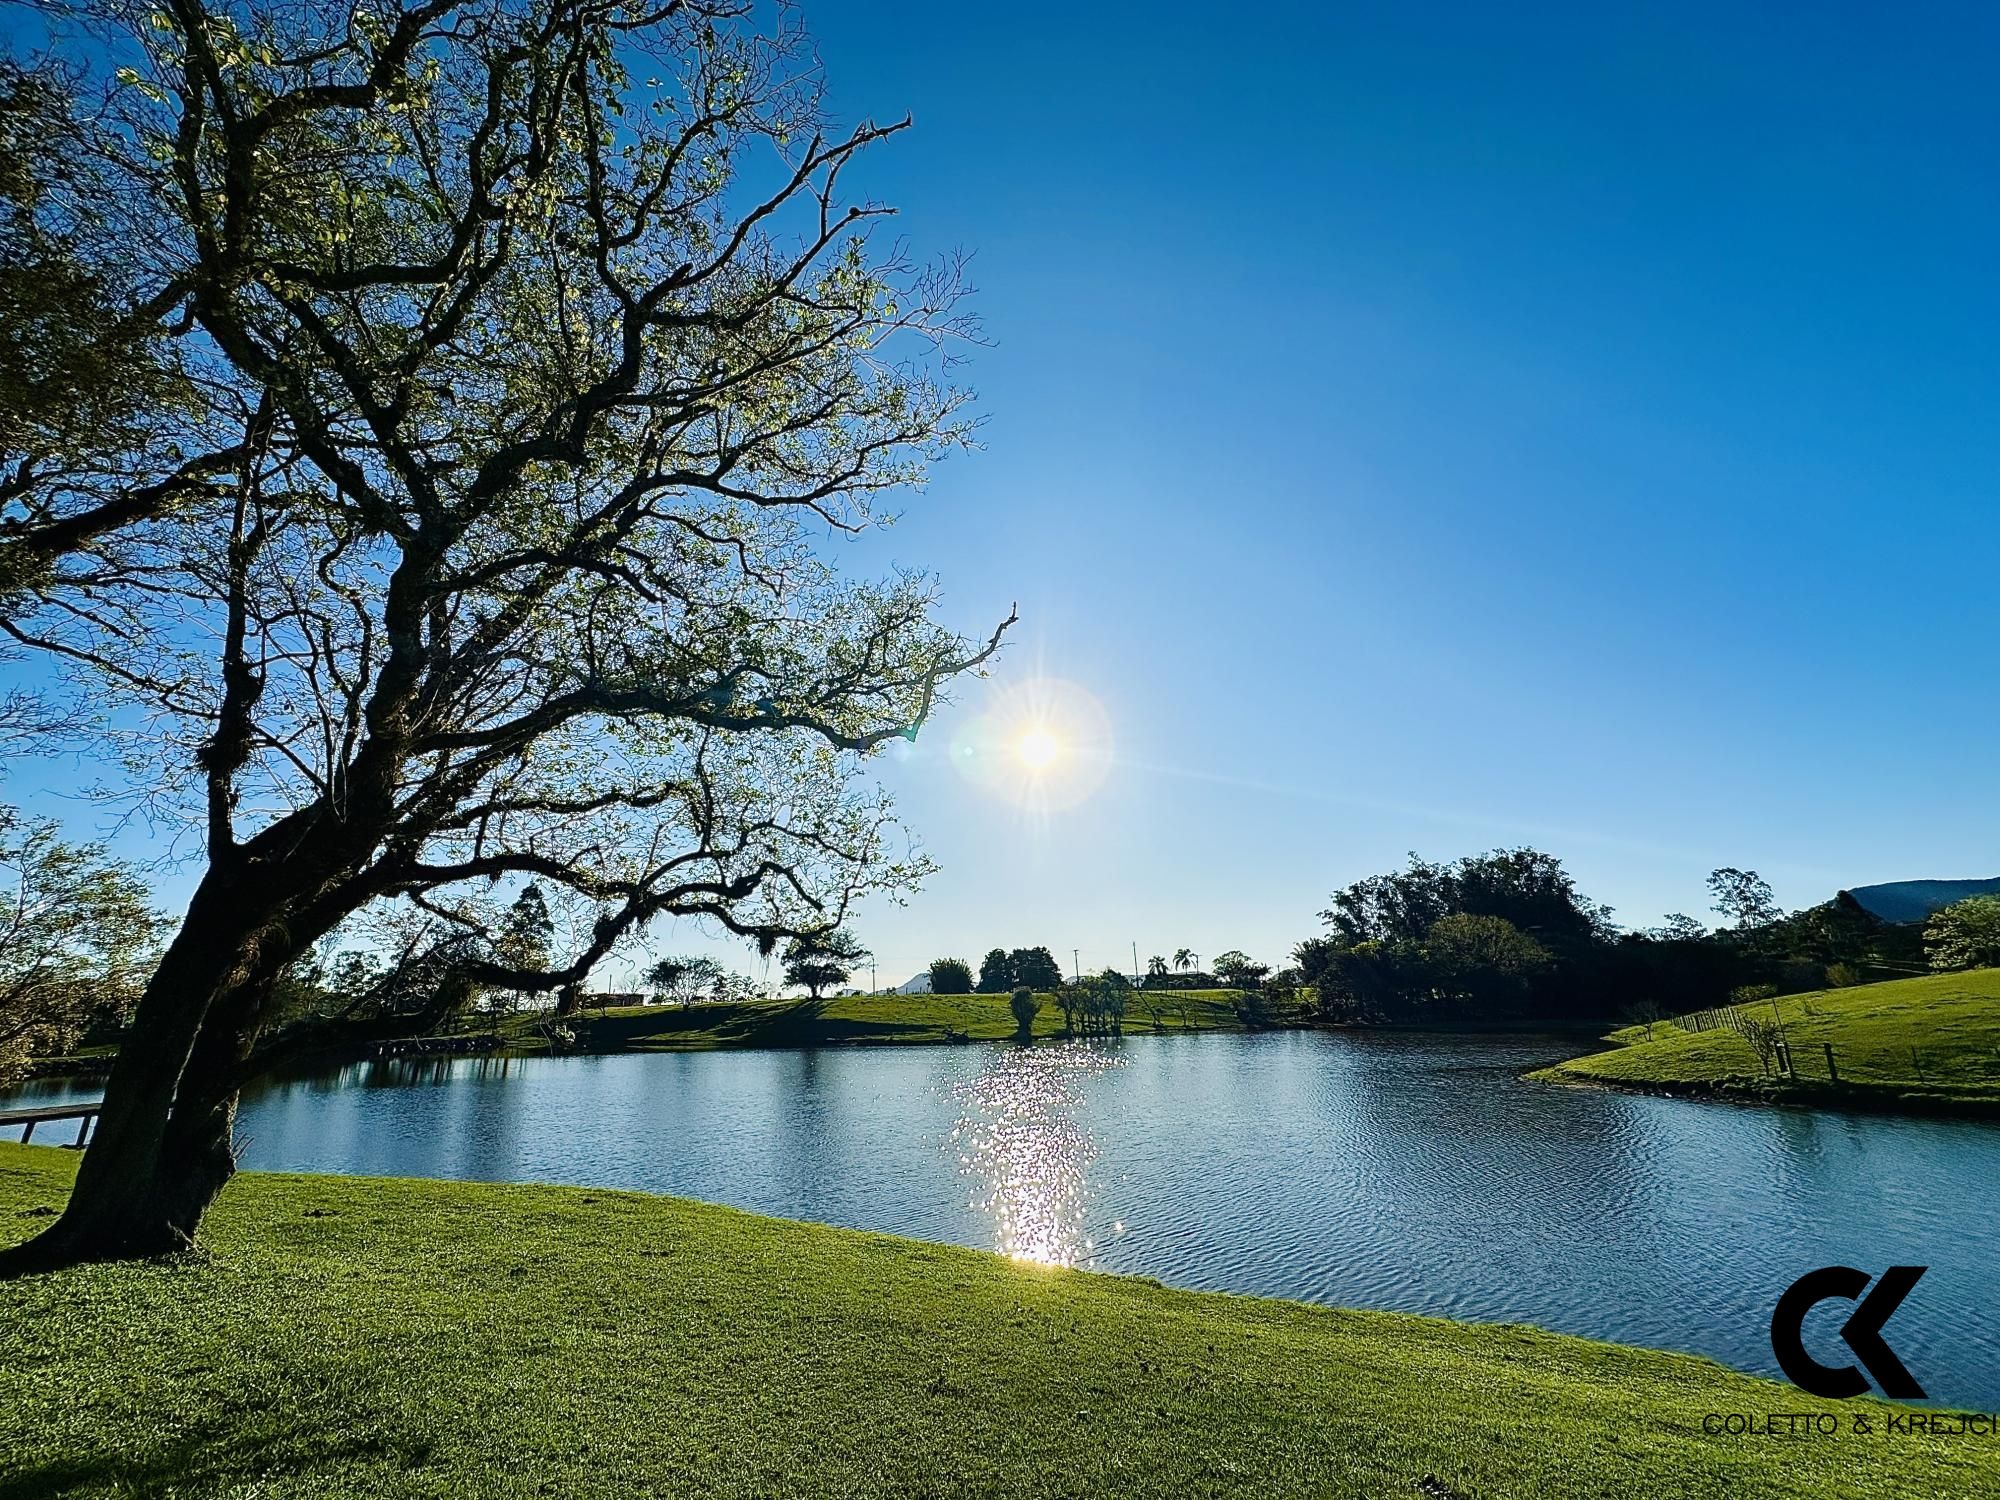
{"points": [[877, 1018], [1926, 1043], [356, 1337]]}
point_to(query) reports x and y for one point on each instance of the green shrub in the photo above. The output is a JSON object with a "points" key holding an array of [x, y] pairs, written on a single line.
{"points": [[1026, 1005]]}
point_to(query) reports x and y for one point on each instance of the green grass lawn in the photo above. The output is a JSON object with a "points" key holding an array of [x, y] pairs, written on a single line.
{"points": [[382, 1338], [875, 1018], [1932, 1042]]}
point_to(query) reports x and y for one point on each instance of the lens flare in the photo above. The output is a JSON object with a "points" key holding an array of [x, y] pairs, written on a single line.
{"points": [[1044, 745], [1038, 749]]}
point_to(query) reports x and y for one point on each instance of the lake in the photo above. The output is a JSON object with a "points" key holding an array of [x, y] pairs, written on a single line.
{"points": [[1416, 1173]]}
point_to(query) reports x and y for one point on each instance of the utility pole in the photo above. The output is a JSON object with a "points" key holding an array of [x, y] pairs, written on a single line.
{"points": [[1075, 968], [874, 983], [1135, 961]]}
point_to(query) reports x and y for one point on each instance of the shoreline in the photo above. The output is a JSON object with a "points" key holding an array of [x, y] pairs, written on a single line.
{"points": [[1926, 1045], [1830, 1099], [411, 1337], [525, 1043]]}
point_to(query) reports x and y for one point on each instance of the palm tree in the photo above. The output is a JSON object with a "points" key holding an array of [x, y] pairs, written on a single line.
{"points": [[1156, 970], [1183, 958]]}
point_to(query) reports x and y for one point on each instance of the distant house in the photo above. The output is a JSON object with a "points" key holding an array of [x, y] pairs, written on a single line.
{"points": [[610, 998], [1914, 900]]}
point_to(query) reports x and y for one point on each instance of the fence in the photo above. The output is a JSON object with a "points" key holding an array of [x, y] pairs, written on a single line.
{"points": [[1713, 1019], [1941, 1062], [1807, 1062]]}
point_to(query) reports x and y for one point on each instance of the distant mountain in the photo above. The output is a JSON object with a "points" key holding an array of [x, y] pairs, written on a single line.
{"points": [[1913, 900], [919, 985]]}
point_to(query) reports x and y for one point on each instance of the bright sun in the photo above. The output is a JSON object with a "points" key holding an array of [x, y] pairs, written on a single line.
{"points": [[1043, 744], [1038, 749]]}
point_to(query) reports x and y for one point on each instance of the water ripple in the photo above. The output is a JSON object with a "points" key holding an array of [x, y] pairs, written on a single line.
{"points": [[1407, 1172], [1018, 1139]]}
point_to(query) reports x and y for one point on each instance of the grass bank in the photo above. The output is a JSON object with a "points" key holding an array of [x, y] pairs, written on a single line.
{"points": [[395, 1338], [1926, 1044], [866, 1019]]}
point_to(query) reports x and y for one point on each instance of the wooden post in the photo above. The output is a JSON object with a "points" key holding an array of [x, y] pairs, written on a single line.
{"points": [[27, 1132], [1831, 1071], [82, 1130]]}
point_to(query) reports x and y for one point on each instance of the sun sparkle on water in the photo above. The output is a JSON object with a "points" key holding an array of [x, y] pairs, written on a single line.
{"points": [[1017, 1138]]}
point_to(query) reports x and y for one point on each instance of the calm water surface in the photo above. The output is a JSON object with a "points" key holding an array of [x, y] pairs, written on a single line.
{"points": [[1413, 1173]]}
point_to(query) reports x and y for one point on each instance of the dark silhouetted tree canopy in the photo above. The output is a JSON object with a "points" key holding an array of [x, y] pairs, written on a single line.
{"points": [[951, 976]]}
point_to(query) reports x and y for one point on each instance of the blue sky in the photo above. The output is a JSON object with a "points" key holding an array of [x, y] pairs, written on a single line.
{"points": [[1450, 426], [1458, 425]]}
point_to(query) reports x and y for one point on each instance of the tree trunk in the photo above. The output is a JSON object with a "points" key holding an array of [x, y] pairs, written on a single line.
{"points": [[162, 1150]]}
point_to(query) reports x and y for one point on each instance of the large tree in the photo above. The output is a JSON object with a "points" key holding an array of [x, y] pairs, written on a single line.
{"points": [[1481, 962], [1965, 935], [1036, 968], [1526, 887], [816, 960], [1744, 897], [517, 351], [1239, 970], [996, 972], [951, 976], [102, 425], [686, 980]]}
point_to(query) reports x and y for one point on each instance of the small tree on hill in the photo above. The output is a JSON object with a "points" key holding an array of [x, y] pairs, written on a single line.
{"points": [[664, 976], [685, 980], [951, 976], [1026, 1005], [1114, 991], [1645, 1014], [1765, 1039], [819, 961]]}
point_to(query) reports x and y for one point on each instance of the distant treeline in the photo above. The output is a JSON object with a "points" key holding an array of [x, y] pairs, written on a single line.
{"points": [[1506, 936]]}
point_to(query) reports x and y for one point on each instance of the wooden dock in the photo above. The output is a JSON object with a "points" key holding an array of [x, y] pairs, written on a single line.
{"points": [[84, 1114]]}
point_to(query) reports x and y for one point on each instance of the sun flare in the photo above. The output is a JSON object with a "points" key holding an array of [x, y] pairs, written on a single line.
{"points": [[1038, 749], [1043, 744]]}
